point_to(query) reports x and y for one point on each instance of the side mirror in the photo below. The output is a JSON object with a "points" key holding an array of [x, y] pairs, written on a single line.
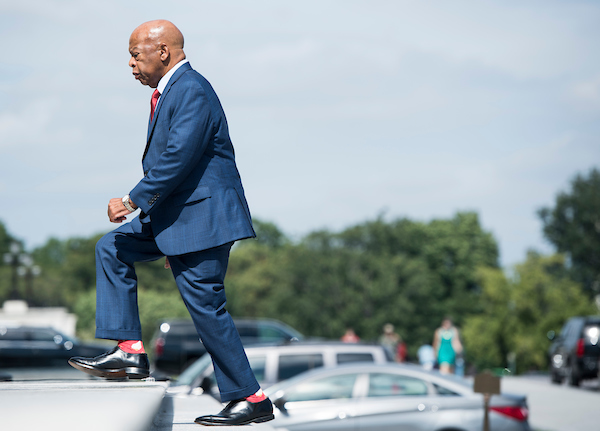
{"points": [[551, 335], [279, 402]]}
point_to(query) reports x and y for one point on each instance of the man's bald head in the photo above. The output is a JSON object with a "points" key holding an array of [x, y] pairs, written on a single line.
{"points": [[160, 31], [155, 47]]}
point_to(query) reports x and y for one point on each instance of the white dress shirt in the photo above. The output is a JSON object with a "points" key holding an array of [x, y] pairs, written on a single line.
{"points": [[165, 79]]}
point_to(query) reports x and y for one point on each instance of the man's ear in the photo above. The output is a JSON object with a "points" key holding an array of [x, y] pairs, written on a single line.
{"points": [[164, 52]]}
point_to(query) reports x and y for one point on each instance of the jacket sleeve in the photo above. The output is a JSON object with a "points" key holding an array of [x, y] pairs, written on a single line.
{"points": [[190, 131]]}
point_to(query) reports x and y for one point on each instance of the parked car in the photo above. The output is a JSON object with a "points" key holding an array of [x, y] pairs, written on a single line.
{"points": [[40, 346], [574, 354], [176, 344], [272, 364], [386, 397]]}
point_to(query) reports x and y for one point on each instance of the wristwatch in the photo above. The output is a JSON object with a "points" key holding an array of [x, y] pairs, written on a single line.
{"points": [[125, 201]]}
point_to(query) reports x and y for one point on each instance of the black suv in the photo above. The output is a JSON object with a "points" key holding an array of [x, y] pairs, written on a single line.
{"points": [[574, 354], [176, 345], [41, 346]]}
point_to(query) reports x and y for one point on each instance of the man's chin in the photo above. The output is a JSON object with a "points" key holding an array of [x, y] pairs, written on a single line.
{"points": [[141, 80]]}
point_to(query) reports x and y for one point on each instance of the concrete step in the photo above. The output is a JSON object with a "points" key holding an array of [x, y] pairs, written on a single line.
{"points": [[91, 405], [102, 405]]}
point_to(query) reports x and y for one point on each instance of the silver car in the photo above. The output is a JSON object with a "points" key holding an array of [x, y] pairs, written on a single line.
{"points": [[382, 397]]}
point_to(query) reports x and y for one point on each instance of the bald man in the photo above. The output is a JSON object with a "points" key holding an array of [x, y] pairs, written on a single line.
{"points": [[192, 210]]}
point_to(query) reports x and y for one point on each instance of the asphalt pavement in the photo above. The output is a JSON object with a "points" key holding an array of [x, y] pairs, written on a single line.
{"points": [[557, 407]]}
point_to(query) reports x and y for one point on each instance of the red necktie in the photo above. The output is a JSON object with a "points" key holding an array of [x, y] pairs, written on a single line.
{"points": [[153, 102]]}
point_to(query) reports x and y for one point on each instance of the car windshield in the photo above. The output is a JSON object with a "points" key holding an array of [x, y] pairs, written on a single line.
{"points": [[193, 371], [33, 333]]}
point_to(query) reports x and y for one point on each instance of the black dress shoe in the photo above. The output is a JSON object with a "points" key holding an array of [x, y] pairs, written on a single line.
{"points": [[115, 364], [240, 412]]}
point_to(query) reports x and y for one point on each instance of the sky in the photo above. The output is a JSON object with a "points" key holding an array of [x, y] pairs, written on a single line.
{"points": [[340, 111]]}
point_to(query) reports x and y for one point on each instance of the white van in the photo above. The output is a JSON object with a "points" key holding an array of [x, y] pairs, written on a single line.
{"points": [[272, 364]]}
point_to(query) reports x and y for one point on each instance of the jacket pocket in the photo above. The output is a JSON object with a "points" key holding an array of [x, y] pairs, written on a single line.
{"points": [[187, 197]]}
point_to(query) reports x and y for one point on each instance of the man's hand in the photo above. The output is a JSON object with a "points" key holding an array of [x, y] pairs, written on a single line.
{"points": [[117, 211]]}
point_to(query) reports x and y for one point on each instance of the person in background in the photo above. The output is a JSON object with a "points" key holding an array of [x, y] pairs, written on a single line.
{"points": [[426, 357], [401, 351], [390, 340], [350, 336], [393, 343], [447, 345]]}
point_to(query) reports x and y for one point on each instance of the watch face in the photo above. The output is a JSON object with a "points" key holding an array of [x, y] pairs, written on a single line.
{"points": [[125, 201]]}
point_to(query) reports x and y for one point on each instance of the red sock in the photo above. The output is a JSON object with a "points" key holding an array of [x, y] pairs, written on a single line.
{"points": [[131, 346], [257, 397]]}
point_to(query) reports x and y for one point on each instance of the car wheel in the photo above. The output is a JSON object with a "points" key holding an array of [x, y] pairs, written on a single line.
{"points": [[572, 376], [555, 377]]}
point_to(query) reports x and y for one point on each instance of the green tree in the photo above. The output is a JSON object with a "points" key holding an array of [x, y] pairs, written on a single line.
{"points": [[452, 250], [269, 234], [519, 311], [6, 271], [154, 307], [573, 226], [67, 270], [410, 274]]}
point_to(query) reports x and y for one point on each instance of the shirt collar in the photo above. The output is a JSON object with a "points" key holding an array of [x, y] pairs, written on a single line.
{"points": [[165, 79]]}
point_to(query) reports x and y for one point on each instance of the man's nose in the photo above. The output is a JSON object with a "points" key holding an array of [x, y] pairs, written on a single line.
{"points": [[131, 62]]}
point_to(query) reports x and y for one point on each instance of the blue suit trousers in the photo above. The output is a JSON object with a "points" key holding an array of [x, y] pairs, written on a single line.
{"points": [[199, 277]]}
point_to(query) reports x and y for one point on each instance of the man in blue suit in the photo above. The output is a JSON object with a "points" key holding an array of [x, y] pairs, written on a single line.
{"points": [[193, 208]]}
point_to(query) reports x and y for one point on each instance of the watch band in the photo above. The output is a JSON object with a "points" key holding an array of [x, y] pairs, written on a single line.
{"points": [[125, 201]]}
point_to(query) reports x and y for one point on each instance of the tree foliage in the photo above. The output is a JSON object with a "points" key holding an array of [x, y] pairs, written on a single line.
{"points": [[407, 273], [573, 226], [518, 312], [6, 272]]}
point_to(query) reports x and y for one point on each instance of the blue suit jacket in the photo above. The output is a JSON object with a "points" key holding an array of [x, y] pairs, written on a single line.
{"points": [[191, 191]]}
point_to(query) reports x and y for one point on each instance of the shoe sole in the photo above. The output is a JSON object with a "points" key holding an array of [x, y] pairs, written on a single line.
{"points": [[133, 373], [223, 424]]}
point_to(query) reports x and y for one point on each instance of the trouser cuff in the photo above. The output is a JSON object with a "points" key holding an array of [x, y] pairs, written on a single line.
{"points": [[239, 394], [118, 334]]}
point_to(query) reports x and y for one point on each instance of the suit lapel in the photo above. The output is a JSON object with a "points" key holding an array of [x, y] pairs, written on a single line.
{"points": [[184, 68]]}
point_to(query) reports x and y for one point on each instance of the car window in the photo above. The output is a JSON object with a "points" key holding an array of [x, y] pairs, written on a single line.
{"points": [[291, 365], [193, 336], [392, 385], [193, 371], [43, 335], [344, 358], [12, 334], [270, 333], [258, 365], [444, 391], [564, 333], [247, 331], [328, 388], [178, 338]]}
